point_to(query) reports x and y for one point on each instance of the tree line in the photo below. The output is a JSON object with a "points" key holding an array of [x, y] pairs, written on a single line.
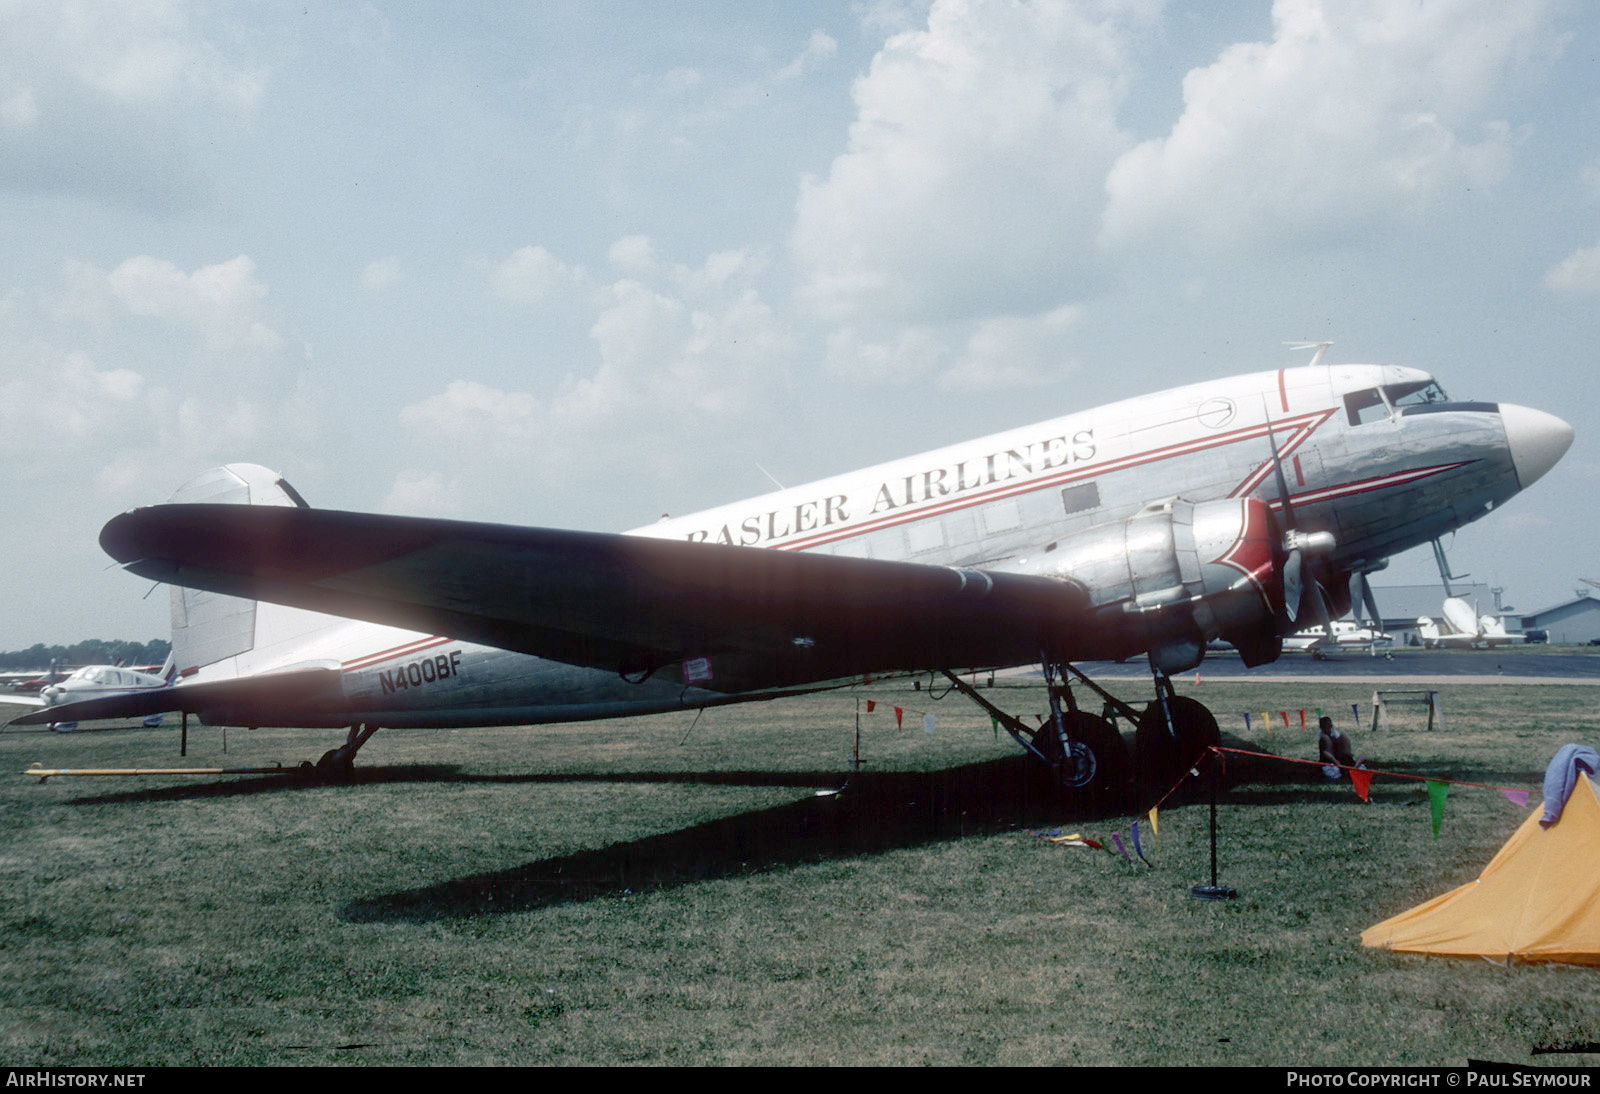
{"points": [[91, 651]]}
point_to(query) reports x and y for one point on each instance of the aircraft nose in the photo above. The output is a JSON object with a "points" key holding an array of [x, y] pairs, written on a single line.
{"points": [[1537, 441]]}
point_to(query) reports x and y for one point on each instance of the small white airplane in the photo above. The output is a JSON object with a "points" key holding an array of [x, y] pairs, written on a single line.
{"points": [[1345, 634], [1461, 626], [112, 685], [1236, 509]]}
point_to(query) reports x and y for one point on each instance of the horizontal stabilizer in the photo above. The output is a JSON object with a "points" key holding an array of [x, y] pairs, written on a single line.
{"points": [[275, 695], [625, 603]]}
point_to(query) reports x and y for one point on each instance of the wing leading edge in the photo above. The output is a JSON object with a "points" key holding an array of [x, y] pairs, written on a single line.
{"points": [[749, 617]]}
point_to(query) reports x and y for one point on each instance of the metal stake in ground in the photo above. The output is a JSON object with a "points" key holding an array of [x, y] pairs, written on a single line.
{"points": [[1214, 891]]}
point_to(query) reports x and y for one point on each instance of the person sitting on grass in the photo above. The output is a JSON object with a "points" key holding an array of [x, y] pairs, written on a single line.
{"points": [[1333, 749]]}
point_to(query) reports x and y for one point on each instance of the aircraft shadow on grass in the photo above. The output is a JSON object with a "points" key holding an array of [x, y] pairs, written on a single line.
{"points": [[876, 812]]}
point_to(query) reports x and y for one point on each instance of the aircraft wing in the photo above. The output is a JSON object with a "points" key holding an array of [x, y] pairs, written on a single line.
{"points": [[730, 618], [13, 698], [310, 688]]}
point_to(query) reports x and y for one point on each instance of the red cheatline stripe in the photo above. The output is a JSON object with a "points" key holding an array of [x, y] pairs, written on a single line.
{"points": [[393, 652], [1301, 427]]}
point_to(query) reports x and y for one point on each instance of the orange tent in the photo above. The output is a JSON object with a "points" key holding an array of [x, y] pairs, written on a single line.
{"points": [[1538, 900]]}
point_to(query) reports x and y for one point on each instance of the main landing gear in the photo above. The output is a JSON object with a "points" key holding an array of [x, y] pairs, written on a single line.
{"points": [[1085, 755], [338, 765]]}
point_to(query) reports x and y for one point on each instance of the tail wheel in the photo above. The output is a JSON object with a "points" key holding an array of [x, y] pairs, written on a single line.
{"points": [[1164, 756], [1095, 766]]}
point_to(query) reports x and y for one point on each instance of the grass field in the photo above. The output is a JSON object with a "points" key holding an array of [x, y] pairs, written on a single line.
{"points": [[670, 891]]}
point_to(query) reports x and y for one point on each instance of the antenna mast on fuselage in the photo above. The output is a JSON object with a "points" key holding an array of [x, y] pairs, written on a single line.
{"points": [[1320, 347]]}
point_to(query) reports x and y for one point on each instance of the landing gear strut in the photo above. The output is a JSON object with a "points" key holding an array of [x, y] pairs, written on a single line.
{"points": [[1173, 733], [338, 765], [1086, 755], [1083, 752]]}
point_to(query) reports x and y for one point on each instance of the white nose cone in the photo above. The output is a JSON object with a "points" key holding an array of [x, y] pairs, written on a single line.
{"points": [[1537, 441]]}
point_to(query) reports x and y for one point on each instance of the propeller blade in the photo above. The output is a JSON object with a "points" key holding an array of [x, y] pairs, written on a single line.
{"points": [[1283, 483], [1291, 586], [1319, 604], [1370, 602]]}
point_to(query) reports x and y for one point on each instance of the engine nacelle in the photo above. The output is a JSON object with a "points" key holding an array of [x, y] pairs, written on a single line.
{"points": [[1177, 574]]}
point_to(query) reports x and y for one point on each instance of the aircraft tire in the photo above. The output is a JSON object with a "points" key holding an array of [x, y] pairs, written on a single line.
{"points": [[1097, 774], [337, 766], [1161, 760]]}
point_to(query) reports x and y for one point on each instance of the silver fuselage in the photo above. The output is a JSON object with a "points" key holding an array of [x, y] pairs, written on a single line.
{"points": [[1380, 473]]}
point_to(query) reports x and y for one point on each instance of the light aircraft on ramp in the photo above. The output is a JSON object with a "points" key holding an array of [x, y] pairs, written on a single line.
{"points": [[1341, 634], [1234, 509], [111, 684], [103, 683], [1461, 626]]}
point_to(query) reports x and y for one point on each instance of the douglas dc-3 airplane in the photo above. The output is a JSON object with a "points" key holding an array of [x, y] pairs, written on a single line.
{"points": [[1236, 509]]}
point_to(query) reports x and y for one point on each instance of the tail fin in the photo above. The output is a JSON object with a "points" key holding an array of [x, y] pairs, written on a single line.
{"points": [[209, 627]]}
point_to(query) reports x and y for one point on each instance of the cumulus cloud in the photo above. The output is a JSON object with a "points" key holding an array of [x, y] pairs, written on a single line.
{"points": [[974, 175], [467, 406], [531, 274], [675, 348], [1576, 275], [694, 110], [102, 100], [1016, 351], [422, 492], [1357, 114], [129, 380], [819, 48], [381, 273], [634, 255], [50, 397], [222, 302], [1589, 176], [884, 357]]}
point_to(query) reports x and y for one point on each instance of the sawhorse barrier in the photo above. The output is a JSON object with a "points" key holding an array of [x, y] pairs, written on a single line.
{"points": [[1382, 700]]}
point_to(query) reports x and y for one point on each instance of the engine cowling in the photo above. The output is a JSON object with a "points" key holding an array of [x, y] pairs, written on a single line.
{"points": [[1177, 574]]}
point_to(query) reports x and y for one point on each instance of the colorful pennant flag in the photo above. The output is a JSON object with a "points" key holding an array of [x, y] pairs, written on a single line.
{"points": [[927, 722], [1116, 839], [1154, 827], [1437, 792], [899, 718], [871, 705], [1362, 781], [1518, 798]]}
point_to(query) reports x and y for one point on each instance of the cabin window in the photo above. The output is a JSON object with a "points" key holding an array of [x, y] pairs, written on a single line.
{"points": [[1001, 516], [1366, 406], [1084, 496], [926, 535]]}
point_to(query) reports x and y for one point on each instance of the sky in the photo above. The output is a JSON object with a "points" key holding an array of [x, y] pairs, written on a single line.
{"points": [[577, 264]]}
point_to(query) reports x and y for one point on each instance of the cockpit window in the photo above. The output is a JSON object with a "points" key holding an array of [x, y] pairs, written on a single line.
{"points": [[1419, 393], [1366, 406]]}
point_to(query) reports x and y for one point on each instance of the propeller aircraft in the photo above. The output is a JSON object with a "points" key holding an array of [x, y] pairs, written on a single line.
{"points": [[1235, 509]]}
